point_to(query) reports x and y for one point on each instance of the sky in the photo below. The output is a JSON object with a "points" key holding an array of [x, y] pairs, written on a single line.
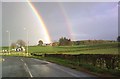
{"points": [[74, 20], [0, 24]]}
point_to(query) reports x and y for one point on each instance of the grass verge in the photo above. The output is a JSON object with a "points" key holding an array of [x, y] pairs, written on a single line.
{"points": [[81, 67]]}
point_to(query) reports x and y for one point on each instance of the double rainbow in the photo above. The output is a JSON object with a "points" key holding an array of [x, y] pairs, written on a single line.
{"points": [[65, 15]]}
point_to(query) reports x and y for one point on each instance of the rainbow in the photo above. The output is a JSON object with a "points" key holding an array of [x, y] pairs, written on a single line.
{"points": [[67, 19], [47, 38]]}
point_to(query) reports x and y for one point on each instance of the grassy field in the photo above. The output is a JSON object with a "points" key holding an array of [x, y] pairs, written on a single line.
{"points": [[111, 48]]}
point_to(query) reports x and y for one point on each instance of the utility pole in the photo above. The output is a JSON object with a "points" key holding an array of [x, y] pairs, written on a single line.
{"points": [[27, 39], [9, 39]]}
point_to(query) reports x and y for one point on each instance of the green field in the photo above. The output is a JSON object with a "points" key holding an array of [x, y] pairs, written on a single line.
{"points": [[110, 48]]}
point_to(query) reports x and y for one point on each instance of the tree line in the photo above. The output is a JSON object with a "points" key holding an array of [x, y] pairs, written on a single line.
{"points": [[63, 41], [19, 43]]}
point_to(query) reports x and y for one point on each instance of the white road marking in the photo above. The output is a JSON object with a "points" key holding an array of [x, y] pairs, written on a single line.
{"points": [[22, 60], [41, 60], [3, 59], [27, 69]]}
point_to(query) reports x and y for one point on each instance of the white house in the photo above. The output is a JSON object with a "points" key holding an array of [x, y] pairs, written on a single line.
{"points": [[20, 49]]}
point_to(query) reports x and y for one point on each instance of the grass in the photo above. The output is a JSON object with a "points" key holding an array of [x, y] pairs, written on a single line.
{"points": [[81, 67], [110, 48], [14, 54]]}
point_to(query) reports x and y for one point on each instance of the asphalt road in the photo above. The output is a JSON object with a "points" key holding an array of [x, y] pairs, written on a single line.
{"points": [[30, 67]]}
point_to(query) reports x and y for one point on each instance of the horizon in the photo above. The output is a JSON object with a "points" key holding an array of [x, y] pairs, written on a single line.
{"points": [[58, 41]]}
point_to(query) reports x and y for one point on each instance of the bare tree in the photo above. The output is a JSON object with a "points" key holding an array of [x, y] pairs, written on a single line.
{"points": [[13, 45], [21, 43]]}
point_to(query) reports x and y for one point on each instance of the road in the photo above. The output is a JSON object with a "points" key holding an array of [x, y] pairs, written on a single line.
{"points": [[30, 67]]}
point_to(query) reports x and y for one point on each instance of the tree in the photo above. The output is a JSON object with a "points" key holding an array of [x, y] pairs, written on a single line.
{"points": [[13, 45], [55, 44], [118, 39], [63, 41], [76, 42], [40, 43], [21, 43]]}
